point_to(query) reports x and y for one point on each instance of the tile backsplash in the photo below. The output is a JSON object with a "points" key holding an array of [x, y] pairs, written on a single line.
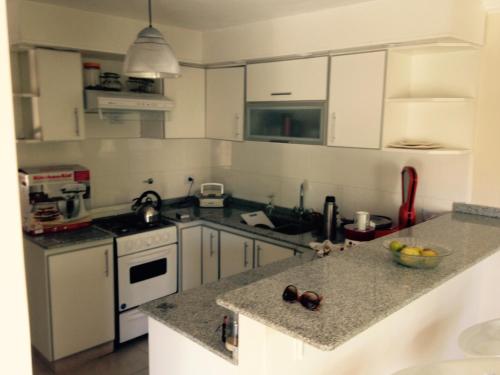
{"points": [[119, 166], [360, 179]]}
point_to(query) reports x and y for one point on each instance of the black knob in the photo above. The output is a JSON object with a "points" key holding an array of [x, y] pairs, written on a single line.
{"points": [[123, 306]]}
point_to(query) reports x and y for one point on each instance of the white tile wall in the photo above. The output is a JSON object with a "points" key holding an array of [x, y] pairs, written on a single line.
{"points": [[360, 179], [118, 166]]}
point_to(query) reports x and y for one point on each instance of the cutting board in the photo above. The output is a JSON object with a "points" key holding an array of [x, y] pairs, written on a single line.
{"points": [[256, 218]]}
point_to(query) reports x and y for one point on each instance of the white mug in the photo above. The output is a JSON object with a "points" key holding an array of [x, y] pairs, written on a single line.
{"points": [[362, 220]]}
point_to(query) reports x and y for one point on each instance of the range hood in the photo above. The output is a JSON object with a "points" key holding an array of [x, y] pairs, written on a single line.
{"points": [[119, 104]]}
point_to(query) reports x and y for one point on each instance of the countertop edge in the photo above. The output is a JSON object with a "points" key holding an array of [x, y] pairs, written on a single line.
{"points": [[231, 359]]}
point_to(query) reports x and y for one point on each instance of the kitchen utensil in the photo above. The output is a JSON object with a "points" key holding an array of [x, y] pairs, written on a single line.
{"points": [[91, 75], [362, 220], [212, 195], [140, 85], [330, 218], [111, 81], [257, 218], [148, 206], [407, 214], [417, 261]]}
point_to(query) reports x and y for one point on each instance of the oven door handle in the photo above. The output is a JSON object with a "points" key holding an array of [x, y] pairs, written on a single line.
{"points": [[134, 259]]}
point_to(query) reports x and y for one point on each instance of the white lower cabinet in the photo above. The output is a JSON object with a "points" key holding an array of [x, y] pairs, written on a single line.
{"points": [[81, 298], [191, 257], [210, 255], [236, 254], [266, 253]]}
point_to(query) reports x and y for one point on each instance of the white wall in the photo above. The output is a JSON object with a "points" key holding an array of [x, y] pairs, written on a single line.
{"points": [[364, 24], [118, 166], [486, 180], [360, 179], [15, 349]]}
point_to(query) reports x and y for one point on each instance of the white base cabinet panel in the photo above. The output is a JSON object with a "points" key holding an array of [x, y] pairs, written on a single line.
{"points": [[210, 254], [190, 243], [266, 253], [81, 295], [236, 254], [356, 100]]}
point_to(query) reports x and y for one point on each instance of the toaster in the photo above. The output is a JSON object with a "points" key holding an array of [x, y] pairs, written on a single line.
{"points": [[212, 195]]}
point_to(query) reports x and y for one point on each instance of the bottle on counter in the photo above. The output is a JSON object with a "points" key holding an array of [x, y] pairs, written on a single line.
{"points": [[330, 218]]}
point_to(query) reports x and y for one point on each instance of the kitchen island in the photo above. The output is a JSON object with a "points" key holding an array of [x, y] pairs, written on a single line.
{"points": [[376, 316]]}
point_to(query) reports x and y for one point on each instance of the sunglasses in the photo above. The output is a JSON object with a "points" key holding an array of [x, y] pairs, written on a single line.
{"points": [[310, 300]]}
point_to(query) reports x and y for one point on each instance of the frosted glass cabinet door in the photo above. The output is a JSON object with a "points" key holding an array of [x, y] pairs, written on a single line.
{"points": [[356, 100], [210, 245], [58, 112], [81, 296], [225, 103], [236, 254]]}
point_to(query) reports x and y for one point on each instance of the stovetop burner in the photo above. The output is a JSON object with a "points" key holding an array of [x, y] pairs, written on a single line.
{"points": [[127, 224]]}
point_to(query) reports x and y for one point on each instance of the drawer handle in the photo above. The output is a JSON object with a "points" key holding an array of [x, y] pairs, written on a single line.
{"points": [[77, 122], [106, 263], [211, 244], [333, 120], [237, 125], [258, 255], [245, 260], [281, 93]]}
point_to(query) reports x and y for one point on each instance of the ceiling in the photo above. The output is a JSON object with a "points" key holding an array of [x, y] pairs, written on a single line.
{"points": [[203, 14]]}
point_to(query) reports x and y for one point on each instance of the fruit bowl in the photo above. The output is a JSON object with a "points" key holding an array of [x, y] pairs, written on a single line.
{"points": [[415, 253]]}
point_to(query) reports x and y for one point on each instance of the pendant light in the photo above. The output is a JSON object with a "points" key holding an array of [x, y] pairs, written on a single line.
{"points": [[150, 56]]}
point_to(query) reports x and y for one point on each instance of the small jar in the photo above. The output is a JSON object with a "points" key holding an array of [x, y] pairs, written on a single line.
{"points": [[91, 75], [111, 81]]}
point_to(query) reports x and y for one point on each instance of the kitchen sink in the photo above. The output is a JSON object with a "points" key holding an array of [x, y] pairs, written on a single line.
{"points": [[289, 226]]}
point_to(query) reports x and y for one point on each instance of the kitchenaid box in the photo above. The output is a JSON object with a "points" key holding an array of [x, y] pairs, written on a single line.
{"points": [[54, 198]]}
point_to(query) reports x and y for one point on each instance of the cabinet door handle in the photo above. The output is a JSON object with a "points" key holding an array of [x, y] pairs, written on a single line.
{"points": [[237, 125], [77, 122], [258, 255], [333, 120], [212, 244], [245, 259], [106, 263], [281, 93]]}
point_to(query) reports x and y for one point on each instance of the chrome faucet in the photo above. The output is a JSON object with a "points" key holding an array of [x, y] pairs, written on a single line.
{"points": [[300, 209], [270, 205]]}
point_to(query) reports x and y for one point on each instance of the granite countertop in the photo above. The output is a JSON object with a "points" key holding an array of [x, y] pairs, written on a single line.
{"points": [[230, 217], [362, 285], [195, 313], [62, 239]]}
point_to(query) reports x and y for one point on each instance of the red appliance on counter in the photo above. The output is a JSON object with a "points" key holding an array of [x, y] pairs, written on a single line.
{"points": [[407, 213]]}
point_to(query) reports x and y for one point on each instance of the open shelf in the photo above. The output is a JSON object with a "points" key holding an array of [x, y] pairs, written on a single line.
{"points": [[430, 100], [436, 151], [24, 95], [435, 48]]}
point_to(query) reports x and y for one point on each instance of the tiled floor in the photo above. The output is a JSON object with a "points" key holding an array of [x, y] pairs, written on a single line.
{"points": [[130, 359]]}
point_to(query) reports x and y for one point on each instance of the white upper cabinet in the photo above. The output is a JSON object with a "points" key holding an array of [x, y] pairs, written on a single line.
{"points": [[356, 100], [225, 103], [187, 119], [58, 108], [304, 79]]}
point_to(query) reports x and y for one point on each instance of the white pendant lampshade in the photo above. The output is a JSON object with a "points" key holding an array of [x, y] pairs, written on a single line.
{"points": [[150, 56]]}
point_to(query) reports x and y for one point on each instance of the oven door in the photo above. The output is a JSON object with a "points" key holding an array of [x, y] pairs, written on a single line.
{"points": [[146, 275]]}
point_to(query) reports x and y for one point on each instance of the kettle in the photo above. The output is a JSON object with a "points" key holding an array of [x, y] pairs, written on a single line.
{"points": [[147, 206]]}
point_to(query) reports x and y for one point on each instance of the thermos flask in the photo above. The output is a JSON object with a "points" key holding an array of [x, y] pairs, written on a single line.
{"points": [[330, 218]]}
